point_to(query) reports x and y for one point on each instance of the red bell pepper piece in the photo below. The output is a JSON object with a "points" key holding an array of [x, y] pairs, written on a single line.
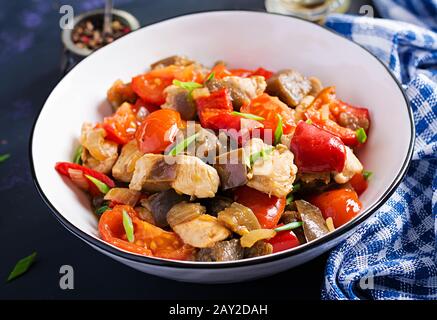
{"points": [[284, 240], [63, 168], [263, 72], [348, 136], [316, 150], [215, 111]]}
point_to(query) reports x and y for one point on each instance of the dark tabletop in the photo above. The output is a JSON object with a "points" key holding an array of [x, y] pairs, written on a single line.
{"points": [[30, 54]]}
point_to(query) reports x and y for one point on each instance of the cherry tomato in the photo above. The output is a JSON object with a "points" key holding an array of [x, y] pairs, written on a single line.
{"points": [[341, 205], [343, 119], [158, 130], [359, 183], [284, 240], [269, 108], [150, 86], [122, 125], [141, 103], [267, 209], [316, 150], [149, 240], [80, 180], [349, 116]]}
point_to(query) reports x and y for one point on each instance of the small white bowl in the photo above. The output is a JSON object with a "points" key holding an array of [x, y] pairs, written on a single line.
{"points": [[245, 40]]}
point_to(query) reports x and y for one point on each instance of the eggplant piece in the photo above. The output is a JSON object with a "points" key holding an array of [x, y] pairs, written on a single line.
{"points": [[260, 248], [172, 60], [314, 225], [221, 251], [159, 204], [232, 169], [216, 204], [179, 99], [289, 217], [289, 86], [239, 219], [145, 215]]}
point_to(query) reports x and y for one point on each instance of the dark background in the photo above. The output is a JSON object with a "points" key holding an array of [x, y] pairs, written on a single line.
{"points": [[30, 55]]}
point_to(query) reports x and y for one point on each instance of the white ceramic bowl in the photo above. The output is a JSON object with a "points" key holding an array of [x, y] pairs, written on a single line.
{"points": [[245, 40]]}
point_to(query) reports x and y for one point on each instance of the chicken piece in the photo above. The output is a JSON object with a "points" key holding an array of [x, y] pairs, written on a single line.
{"points": [[125, 165], [97, 154], [152, 174], [179, 99], [186, 174], [120, 92], [274, 173], [222, 251], [241, 90], [352, 166], [104, 166], [195, 178], [202, 232], [290, 86]]}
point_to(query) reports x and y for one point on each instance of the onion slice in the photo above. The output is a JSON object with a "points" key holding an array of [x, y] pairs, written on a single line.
{"points": [[249, 239]]}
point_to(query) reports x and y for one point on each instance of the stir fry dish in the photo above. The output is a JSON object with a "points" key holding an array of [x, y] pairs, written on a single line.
{"points": [[220, 164]]}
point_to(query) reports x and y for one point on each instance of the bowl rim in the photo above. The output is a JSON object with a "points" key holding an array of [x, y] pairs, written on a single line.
{"points": [[160, 262]]}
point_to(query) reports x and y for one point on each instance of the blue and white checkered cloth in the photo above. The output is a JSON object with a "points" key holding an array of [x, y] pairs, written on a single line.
{"points": [[393, 254]]}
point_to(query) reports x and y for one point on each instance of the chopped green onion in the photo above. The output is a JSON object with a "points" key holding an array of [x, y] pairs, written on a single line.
{"points": [[103, 187], [210, 76], [361, 135], [290, 199], [260, 155], [309, 121], [78, 155], [181, 146], [296, 187], [22, 266], [247, 115], [278, 131], [128, 227], [190, 86], [4, 157], [289, 226], [367, 174], [99, 211]]}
